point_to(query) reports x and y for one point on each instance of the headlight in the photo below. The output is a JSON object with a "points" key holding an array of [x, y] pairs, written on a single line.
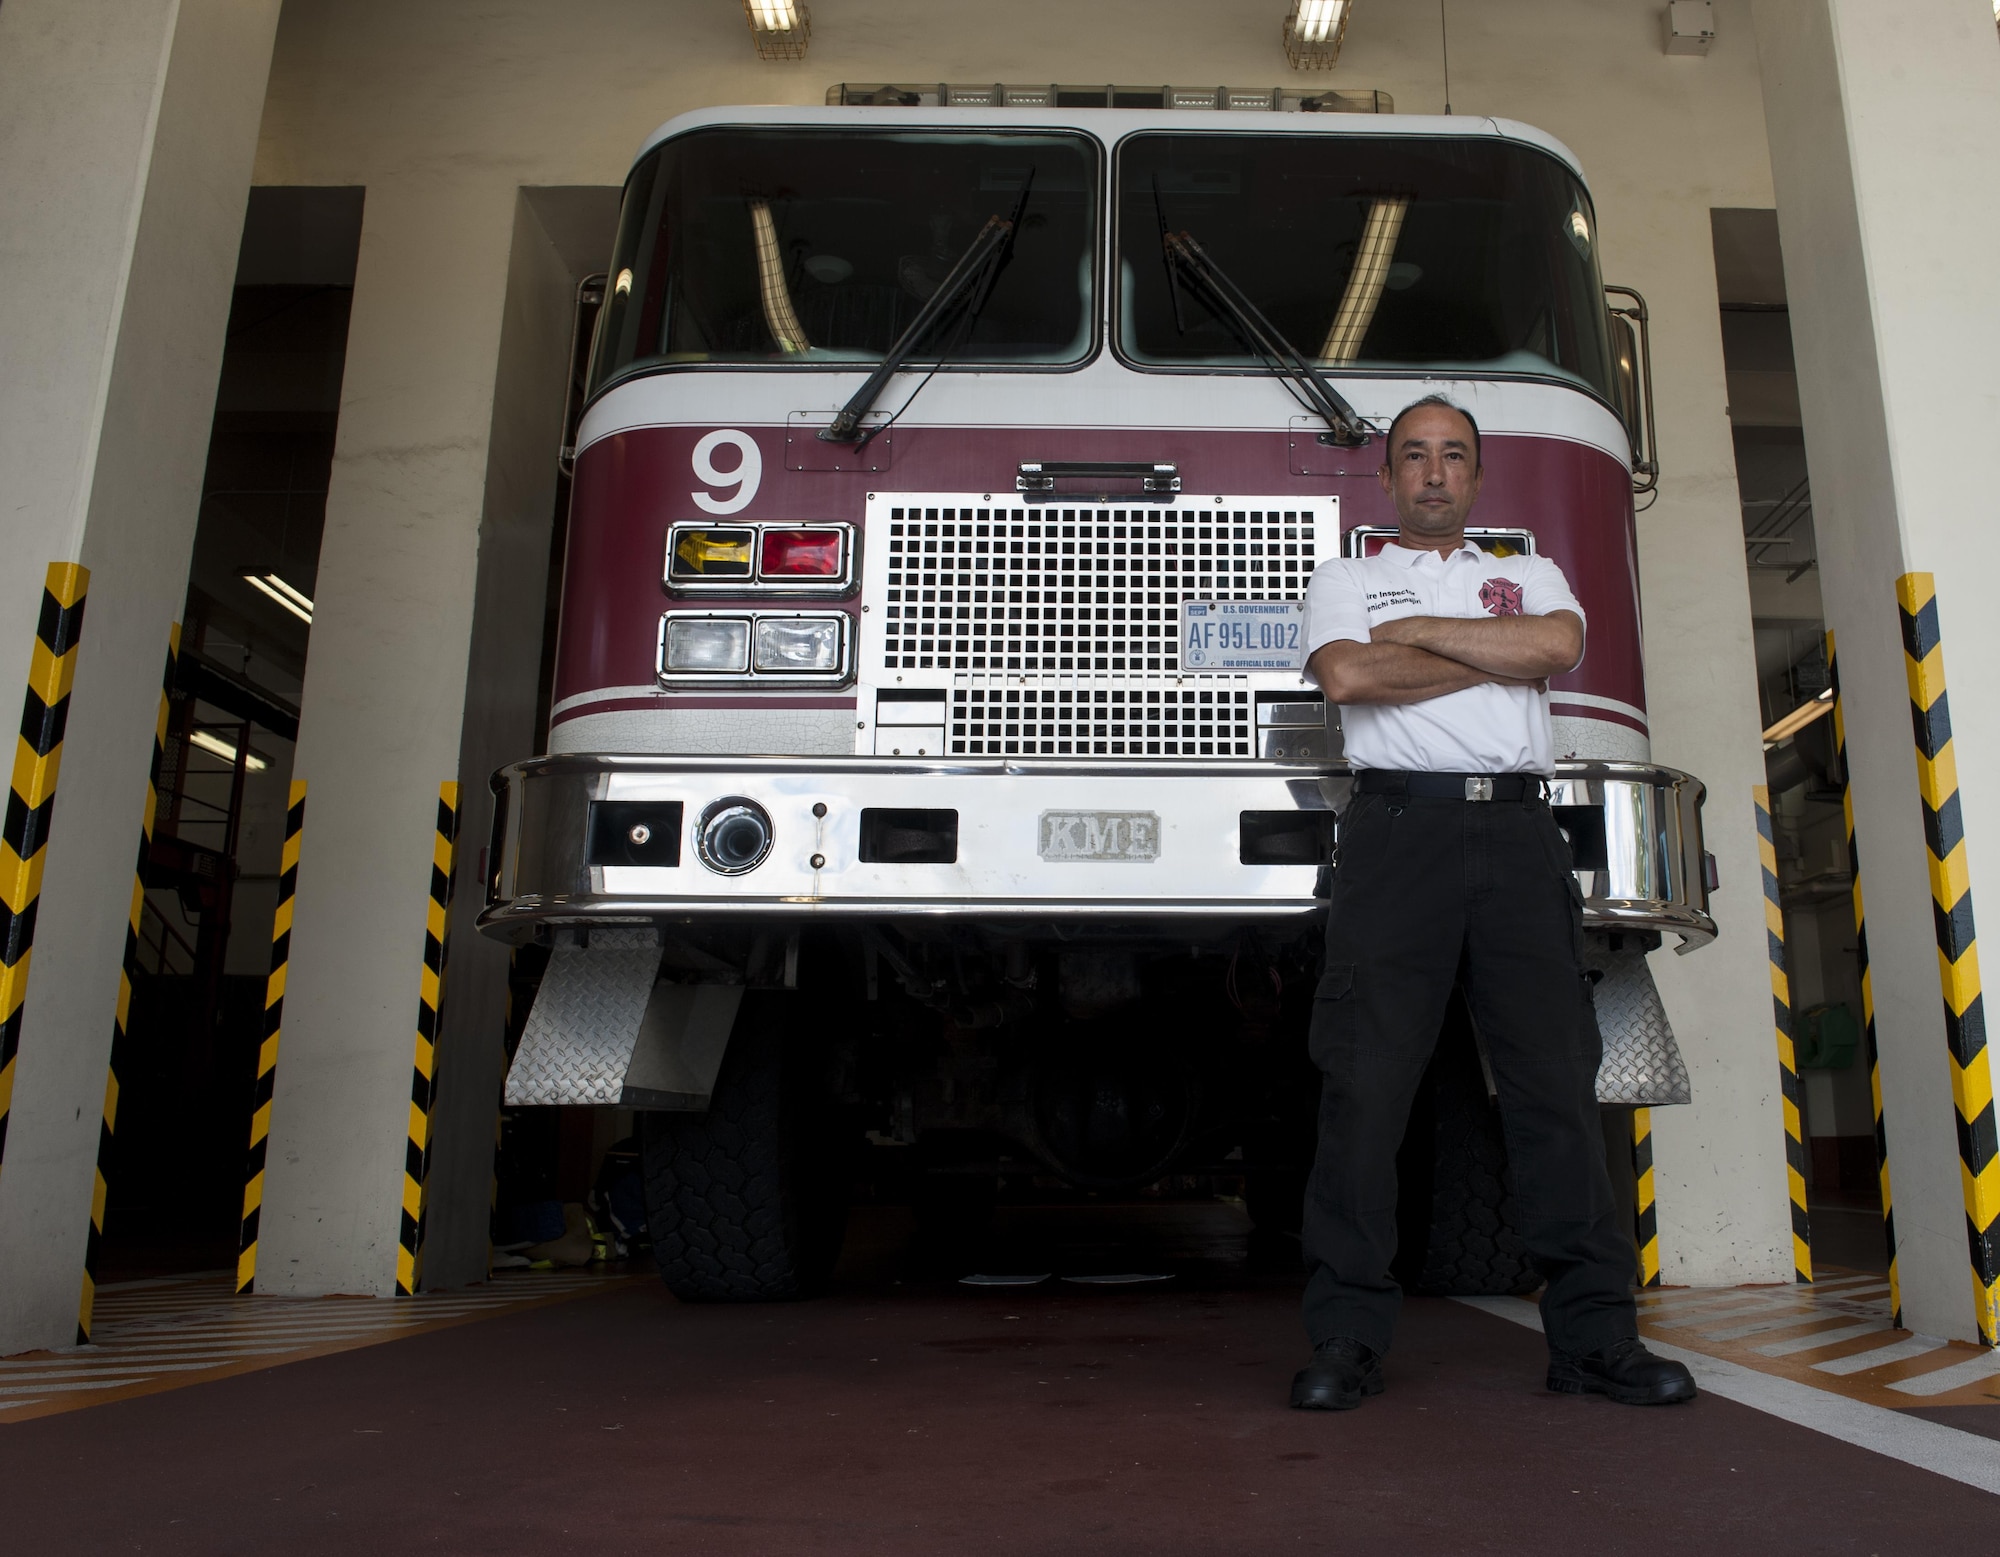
{"points": [[706, 644], [798, 644]]}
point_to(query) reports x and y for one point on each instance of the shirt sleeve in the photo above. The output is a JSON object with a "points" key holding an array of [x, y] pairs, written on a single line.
{"points": [[1336, 605], [1548, 591]]}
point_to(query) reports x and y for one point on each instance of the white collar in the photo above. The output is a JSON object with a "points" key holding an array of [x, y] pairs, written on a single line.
{"points": [[1410, 558]]}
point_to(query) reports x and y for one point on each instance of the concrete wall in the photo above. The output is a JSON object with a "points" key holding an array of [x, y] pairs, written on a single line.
{"points": [[1889, 205], [128, 131], [501, 667], [446, 111]]}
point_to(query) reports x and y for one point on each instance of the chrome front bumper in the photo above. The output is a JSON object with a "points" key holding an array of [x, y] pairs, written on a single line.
{"points": [[1637, 830]]}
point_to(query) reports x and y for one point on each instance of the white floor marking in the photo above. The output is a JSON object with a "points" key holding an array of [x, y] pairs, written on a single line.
{"points": [[1800, 1316], [1881, 1356], [1957, 1376], [143, 1332], [1685, 1320], [1945, 1451], [1819, 1338]]}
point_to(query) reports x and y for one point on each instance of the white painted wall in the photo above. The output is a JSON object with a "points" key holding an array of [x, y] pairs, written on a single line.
{"points": [[1882, 138], [127, 129]]}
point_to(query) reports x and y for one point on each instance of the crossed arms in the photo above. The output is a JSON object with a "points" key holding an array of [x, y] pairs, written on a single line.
{"points": [[1415, 658]]}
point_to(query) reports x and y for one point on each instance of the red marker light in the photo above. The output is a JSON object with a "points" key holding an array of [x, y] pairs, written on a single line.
{"points": [[801, 554]]}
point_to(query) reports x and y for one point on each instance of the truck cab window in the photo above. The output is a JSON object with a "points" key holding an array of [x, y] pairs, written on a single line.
{"points": [[1388, 252], [817, 248]]}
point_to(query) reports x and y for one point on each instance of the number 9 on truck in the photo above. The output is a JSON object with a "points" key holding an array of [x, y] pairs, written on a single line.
{"points": [[743, 476]]}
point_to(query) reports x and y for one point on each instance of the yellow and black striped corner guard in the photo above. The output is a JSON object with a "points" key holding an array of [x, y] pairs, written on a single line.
{"points": [[31, 800], [1867, 987], [267, 1051], [423, 1070], [1781, 1022], [1646, 1211], [1957, 942], [128, 971]]}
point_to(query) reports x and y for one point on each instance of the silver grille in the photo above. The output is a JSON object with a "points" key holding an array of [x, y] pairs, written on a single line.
{"points": [[1051, 716], [1050, 588]]}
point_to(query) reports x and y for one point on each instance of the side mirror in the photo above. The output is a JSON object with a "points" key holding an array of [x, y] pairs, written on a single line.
{"points": [[1632, 381]]}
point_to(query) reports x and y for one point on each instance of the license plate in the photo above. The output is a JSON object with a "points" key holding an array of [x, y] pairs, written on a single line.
{"points": [[1243, 635], [1100, 835]]}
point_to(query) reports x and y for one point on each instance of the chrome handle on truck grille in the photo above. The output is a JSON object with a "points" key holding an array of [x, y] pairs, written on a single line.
{"points": [[1037, 478]]}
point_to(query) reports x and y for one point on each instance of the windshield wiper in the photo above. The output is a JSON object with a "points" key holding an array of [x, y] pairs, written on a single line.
{"points": [[1188, 265], [969, 283]]}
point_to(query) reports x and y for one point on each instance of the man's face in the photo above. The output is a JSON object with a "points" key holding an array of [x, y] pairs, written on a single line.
{"points": [[1430, 474]]}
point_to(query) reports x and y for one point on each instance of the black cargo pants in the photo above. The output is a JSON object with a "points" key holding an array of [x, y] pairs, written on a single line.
{"points": [[1426, 889]]}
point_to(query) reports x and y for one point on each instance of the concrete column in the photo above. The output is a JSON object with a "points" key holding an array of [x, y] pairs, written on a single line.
{"points": [[1882, 124], [384, 710], [127, 134]]}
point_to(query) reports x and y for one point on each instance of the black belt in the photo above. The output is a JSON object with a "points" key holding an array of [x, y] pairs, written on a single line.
{"points": [[1451, 786]]}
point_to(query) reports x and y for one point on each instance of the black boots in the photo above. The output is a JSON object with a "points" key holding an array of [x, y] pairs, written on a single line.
{"points": [[1624, 1371], [1341, 1372]]}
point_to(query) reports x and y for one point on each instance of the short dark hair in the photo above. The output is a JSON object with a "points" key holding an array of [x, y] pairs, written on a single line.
{"points": [[1439, 401]]}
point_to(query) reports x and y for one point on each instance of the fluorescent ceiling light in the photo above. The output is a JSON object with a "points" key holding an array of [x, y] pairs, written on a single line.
{"points": [[293, 600], [1314, 30], [1319, 20], [779, 28], [216, 746], [1799, 718]]}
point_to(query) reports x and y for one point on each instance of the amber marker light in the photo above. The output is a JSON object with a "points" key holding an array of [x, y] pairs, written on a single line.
{"points": [[712, 554], [801, 554]]}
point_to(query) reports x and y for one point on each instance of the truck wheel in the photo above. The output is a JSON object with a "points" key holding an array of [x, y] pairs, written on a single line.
{"points": [[1455, 1235], [747, 1202]]}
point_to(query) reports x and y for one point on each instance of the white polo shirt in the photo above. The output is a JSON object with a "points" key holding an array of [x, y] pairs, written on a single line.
{"points": [[1482, 729]]}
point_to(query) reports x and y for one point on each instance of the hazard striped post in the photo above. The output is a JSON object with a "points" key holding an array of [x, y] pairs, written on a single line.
{"points": [[423, 1068], [31, 802], [128, 969], [1646, 1219], [1957, 943], [1781, 1022], [267, 1051], [1867, 987]]}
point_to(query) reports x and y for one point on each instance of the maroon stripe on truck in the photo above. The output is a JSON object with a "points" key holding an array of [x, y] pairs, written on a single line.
{"points": [[630, 486], [674, 700]]}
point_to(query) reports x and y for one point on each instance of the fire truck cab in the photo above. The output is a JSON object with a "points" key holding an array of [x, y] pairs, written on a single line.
{"points": [[931, 761]]}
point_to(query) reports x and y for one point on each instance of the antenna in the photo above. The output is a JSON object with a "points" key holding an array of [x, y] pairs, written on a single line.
{"points": [[1444, 41]]}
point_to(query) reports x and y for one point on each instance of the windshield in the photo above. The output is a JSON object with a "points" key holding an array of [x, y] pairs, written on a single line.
{"points": [[819, 247], [1369, 252]]}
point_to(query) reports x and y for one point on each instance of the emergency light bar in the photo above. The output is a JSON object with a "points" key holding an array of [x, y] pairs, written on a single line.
{"points": [[941, 94]]}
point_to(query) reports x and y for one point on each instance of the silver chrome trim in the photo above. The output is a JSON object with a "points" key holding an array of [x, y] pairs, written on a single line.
{"points": [[1653, 877], [755, 583]]}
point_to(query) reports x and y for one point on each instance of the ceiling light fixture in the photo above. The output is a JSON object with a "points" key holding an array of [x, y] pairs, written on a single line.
{"points": [[216, 746], [1799, 718], [293, 600], [1314, 30], [779, 28]]}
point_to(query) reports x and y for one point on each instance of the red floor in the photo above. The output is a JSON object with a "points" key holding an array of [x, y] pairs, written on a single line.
{"points": [[929, 1417]]}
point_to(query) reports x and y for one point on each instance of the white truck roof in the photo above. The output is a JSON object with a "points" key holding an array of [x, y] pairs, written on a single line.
{"points": [[1113, 124]]}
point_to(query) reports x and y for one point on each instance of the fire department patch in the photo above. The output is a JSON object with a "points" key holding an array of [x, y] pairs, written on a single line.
{"points": [[1501, 597]]}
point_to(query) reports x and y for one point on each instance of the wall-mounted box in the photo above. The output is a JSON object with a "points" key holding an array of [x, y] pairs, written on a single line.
{"points": [[1690, 26]]}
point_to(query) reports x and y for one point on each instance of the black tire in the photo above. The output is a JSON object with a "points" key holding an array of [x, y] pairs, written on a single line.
{"points": [[747, 1203], [1455, 1231]]}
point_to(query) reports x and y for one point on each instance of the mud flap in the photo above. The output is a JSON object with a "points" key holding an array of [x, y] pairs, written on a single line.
{"points": [[603, 1032], [1642, 1063]]}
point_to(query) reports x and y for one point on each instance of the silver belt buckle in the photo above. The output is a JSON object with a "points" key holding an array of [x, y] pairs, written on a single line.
{"points": [[1479, 788]]}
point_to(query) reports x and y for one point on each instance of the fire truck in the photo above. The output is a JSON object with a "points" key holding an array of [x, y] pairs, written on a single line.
{"points": [[932, 772]]}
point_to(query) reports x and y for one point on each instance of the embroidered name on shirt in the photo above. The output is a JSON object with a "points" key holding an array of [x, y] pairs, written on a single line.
{"points": [[1382, 599]]}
